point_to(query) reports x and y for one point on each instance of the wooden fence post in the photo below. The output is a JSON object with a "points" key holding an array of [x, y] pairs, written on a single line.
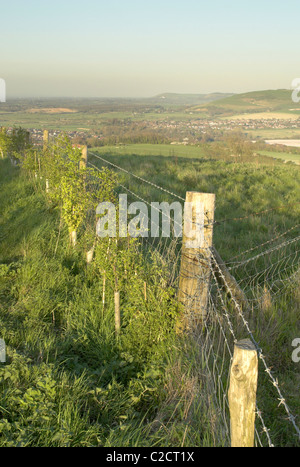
{"points": [[90, 255], [73, 238], [45, 139], [117, 313], [242, 394], [47, 186], [195, 267], [84, 158]]}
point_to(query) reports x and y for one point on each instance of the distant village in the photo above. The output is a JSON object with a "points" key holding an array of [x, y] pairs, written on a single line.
{"points": [[179, 131]]}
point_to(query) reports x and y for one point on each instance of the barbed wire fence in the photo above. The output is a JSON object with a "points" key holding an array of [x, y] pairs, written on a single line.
{"points": [[239, 289]]}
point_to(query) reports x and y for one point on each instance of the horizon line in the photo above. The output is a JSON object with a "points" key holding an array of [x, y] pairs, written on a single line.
{"points": [[144, 97]]}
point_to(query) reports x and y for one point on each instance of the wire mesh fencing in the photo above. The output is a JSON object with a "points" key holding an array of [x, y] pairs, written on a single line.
{"points": [[241, 290], [242, 295]]}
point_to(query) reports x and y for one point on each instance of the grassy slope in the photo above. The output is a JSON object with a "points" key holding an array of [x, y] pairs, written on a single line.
{"points": [[259, 101], [165, 150], [282, 156], [241, 188], [68, 381], [186, 99]]}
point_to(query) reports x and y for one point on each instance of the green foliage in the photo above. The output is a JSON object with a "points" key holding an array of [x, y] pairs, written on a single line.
{"points": [[74, 189], [5, 142], [37, 406], [68, 380], [149, 307], [14, 144]]}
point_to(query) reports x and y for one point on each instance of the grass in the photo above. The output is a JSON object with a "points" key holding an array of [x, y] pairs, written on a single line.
{"points": [[282, 156], [264, 116], [241, 188], [165, 150], [258, 101], [274, 133], [89, 120], [68, 380]]}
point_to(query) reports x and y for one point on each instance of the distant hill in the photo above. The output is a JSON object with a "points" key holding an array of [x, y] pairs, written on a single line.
{"points": [[187, 99], [252, 102]]}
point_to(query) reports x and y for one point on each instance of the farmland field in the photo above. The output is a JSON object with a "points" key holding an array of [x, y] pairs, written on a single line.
{"points": [[164, 150], [265, 116], [282, 156]]}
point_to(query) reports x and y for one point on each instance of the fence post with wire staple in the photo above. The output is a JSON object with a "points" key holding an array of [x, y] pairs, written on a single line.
{"points": [[195, 267], [242, 394]]}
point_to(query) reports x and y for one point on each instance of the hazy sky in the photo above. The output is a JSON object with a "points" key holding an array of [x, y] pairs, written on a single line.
{"points": [[142, 48]]}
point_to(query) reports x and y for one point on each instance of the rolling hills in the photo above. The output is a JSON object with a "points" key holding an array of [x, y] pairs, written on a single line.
{"points": [[278, 101]]}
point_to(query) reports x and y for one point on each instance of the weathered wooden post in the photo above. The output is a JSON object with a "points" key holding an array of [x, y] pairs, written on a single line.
{"points": [[73, 238], [84, 158], [242, 394], [195, 268], [45, 139], [90, 255], [117, 313]]}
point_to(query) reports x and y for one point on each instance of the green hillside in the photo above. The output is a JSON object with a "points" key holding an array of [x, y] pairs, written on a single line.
{"points": [[188, 99], [253, 102]]}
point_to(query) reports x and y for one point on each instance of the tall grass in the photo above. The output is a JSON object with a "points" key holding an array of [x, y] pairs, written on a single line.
{"points": [[68, 380]]}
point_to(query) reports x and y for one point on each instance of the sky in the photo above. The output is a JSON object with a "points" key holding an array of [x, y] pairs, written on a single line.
{"points": [[141, 48]]}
